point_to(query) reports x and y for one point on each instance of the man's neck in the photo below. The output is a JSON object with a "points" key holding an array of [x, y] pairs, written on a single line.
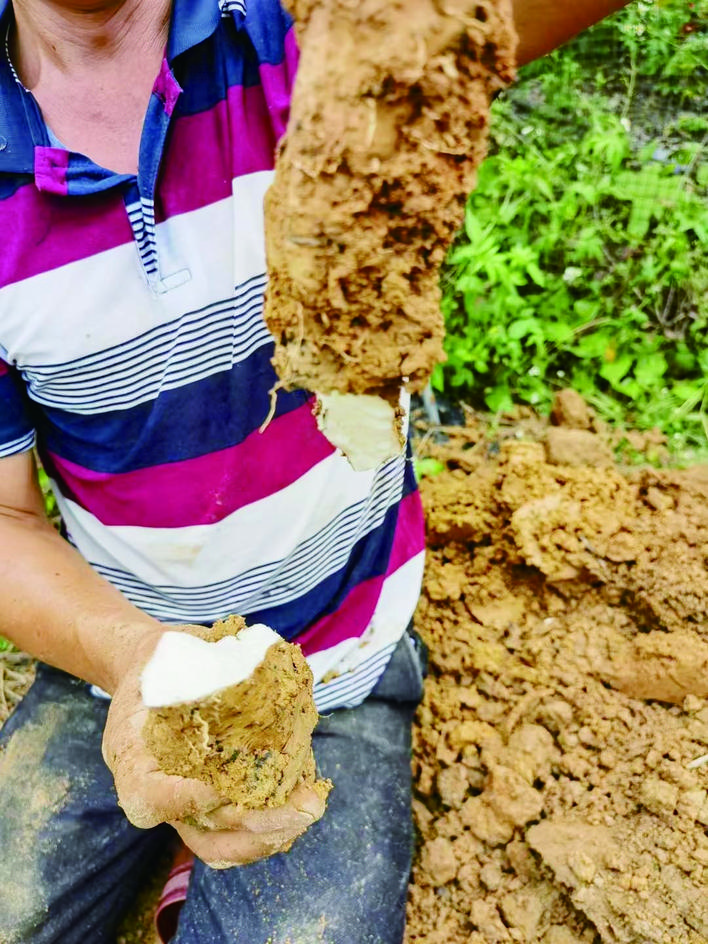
{"points": [[91, 65], [69, 35]]}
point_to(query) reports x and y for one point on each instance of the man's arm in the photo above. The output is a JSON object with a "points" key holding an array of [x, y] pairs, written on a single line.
{"points": [[54, 605], [543, 25]]}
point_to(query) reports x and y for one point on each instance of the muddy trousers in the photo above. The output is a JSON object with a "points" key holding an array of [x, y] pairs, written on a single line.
{"points": [[71, 864]]}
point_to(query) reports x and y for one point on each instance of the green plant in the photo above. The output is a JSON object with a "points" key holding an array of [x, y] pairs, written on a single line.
{"points": [[50, 502], [583, 255]]}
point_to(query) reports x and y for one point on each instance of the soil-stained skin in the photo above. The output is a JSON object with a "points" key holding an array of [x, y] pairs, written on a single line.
{"points": [[388, 125], [251, 741], [561, 788]]}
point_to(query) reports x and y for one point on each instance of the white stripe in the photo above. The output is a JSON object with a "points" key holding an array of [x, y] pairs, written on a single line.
{"points": [[270, 584], [396, 604], [16, 446], [394, 611], [229, 7], [249, 224], [153, 343], [100, 302], [198, 346], [267, 531], [353, 659], [359, 684]]}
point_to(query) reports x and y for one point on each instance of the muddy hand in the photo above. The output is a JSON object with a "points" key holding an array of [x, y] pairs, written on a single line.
{"points": [[210, 826], [147, 795], [226, 837]]}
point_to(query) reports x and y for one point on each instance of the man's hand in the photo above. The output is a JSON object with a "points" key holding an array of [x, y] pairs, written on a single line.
{"points": [[209, 825], [226, 837]]}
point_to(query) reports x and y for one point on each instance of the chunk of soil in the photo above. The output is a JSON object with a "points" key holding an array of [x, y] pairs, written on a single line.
{"points": [[16, 676], [570, 409], [561, 747], [251, 741], [566, 446], [381, 153]]}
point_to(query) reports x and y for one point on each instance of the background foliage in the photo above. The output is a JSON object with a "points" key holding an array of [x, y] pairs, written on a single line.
{"points": [[583, 257]]}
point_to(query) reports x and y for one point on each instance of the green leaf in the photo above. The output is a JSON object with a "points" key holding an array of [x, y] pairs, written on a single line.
{"points": [[498, 399], [650, 368], [428, 467], [614, 371], [523, 327]]}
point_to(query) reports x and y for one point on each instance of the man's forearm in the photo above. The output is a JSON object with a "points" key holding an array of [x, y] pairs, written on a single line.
{"points": [[543, 25], [57, 608]]}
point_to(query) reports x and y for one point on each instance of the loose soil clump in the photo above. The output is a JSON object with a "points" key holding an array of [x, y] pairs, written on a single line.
{"points": [[383, 145], [561, 749]]}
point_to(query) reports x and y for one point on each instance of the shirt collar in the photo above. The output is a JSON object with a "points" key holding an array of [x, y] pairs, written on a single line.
{"points": [[193, 21], [16, 144]]}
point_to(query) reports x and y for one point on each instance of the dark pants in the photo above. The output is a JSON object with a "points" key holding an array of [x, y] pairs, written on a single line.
{"points": [[71, 864]]}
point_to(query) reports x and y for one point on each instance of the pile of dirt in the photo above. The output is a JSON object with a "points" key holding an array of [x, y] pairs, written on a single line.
{"points": [[561, 751], [371, 183], [16, 676]]}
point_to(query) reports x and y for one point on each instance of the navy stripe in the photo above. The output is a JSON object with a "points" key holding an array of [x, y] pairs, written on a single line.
{"points": [[16, 446], [209, 70], [15, 412], [190, 421], [9, 185]]}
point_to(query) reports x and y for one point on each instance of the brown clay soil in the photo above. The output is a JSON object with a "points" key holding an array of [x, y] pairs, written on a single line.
{"points": [[561, 749], [561, 752], [371, 183]]}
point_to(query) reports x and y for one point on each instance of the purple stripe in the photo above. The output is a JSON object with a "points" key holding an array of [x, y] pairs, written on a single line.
{"points": [[352, 618], [278, 81], [202, 490], [201, 163], [198, 170], [50, 167], [48, 232], [4, 369]]}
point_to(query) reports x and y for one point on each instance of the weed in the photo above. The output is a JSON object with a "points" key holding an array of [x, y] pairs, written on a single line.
{"points": [[582, 260]]}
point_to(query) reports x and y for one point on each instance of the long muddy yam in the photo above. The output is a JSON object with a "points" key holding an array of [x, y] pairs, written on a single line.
{"points": [[389, 123]]}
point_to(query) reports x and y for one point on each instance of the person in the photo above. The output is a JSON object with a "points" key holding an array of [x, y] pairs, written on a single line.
{"points": [[137, 138]]}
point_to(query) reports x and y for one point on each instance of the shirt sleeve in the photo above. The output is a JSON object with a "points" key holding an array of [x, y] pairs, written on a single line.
{"points": [[17, 432]]}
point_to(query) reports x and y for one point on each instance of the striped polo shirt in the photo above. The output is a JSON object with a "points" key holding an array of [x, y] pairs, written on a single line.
{"points": [[134, 354]]}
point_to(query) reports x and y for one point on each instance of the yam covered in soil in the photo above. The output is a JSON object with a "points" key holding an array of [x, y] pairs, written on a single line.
{"points": [[388, 125], [561, 751], [251, 741]]}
